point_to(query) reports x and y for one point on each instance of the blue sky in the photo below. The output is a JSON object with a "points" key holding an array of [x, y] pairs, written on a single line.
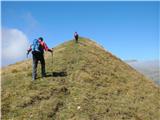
{"points": [[127, 29]]}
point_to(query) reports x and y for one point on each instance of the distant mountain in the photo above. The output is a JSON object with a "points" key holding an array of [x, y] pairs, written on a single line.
{"points": [[83, 82], [148, 68]]}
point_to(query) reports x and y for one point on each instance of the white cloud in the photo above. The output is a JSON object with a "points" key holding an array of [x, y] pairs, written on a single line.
{"points": [[14, 46]]}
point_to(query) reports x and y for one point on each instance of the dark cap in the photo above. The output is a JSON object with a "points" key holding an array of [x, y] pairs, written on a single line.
{"points": [[40, 38]]}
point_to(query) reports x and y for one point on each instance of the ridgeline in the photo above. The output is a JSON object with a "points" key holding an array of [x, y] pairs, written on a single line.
{"points": [[84, 82]]}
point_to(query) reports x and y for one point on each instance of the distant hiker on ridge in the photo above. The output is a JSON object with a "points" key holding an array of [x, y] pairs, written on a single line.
{"points": [[37, 49], [76, 36]]}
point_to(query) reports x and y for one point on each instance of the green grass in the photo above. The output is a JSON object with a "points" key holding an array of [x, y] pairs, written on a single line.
{"points": [[96, 86]]}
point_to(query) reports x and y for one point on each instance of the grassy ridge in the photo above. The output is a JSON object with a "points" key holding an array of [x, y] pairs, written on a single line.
{"points": [[84, 83]]}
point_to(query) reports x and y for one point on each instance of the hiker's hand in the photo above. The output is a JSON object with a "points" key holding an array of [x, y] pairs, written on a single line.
{"points": [[50, 50], [27, 53]]}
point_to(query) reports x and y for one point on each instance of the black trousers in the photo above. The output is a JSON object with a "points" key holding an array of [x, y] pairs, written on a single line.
{"points": [[38, 56], [76, 38]]}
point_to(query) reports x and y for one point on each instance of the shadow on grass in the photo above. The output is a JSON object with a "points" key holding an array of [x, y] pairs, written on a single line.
{"points": [[83, 44], [56, 74]]}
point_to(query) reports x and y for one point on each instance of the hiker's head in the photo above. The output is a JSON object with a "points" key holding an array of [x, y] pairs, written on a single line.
{"points": [[40, 38]]}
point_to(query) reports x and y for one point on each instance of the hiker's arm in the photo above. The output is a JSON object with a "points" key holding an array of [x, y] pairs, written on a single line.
{"points": [[50, 50], [29, 50], [46, 47]]}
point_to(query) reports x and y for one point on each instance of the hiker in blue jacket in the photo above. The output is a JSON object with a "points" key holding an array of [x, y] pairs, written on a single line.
{"points": [[37, 49]]}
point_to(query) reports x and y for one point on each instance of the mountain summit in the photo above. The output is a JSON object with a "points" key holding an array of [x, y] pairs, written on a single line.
{"points": [[84, 82]]}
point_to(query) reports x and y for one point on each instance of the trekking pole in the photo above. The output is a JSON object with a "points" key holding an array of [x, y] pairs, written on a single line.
{"points": [[52, 59]]}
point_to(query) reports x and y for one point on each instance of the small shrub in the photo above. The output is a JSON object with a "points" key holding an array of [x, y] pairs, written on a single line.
{"points": [[29, 74], [14, 71]]}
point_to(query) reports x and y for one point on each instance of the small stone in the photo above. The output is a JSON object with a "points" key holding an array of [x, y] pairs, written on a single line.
{"points": [[78, 107]]}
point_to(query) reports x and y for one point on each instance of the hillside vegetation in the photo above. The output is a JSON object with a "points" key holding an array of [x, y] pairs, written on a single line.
{"points": [[84, 82]]}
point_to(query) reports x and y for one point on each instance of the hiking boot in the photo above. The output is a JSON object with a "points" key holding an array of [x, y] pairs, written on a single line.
{"points": [[33, 78], [44, 75]]}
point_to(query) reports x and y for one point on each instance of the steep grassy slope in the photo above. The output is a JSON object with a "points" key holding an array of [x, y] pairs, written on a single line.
{"points": [[84, 83]]}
